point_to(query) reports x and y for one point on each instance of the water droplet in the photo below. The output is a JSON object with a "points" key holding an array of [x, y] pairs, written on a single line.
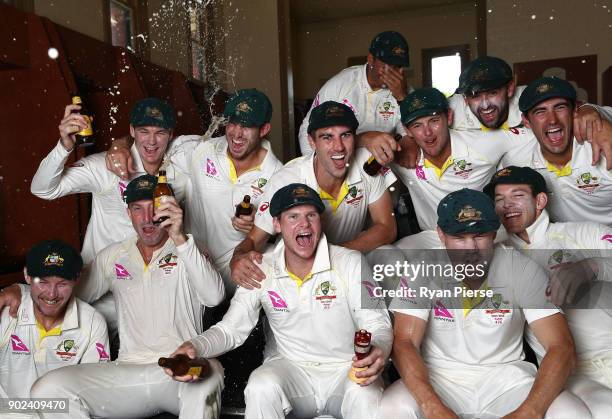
{"points": [[533, 17], [392, 188], [53, 53]]}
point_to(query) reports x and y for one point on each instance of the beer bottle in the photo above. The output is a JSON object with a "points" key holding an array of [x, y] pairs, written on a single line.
{"points": [[362, 345], [372, 166], [161, 189], [245, 207], [84, 137], [183, 365]]}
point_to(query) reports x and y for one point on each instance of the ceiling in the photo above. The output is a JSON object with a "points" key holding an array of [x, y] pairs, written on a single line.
{"points": [[310, 11]]}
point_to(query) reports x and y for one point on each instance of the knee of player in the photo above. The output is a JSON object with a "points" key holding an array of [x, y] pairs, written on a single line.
{"points": [[48, 386], [262, 384], [568, 406]]}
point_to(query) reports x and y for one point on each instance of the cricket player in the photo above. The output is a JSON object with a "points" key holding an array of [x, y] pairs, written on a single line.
{"points": [[311, 295], [471, 362], [335, 170], [373, 92], [575, 255], [578, 190], [53, 328], [488, 99], [160, 282], [222, 171], [449, 160]]}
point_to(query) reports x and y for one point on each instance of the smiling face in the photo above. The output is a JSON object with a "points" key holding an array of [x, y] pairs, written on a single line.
{"points": [[432, 134], [151, 143], [50, 295], [334, 147], [552, 123], [243, 141], [141, 213], [468, 248], [491, 107], [517, 207], [300, 228]]}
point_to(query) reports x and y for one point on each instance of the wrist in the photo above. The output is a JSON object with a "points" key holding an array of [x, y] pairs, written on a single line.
{"points": [[67, 144], [179, 238]]}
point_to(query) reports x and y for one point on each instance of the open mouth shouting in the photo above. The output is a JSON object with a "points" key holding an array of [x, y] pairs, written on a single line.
{"points": [[304, 239], [554, 135], [339, 161], [488, 115], [150, 151]]}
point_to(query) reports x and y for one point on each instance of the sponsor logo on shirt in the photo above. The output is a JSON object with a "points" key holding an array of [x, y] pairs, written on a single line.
{"points": [[354, 196], [462, 168], [168, 263], [66, 350], [122, 187], [441, 313], [18, 346], [278, 304], [121, 272], [102, 352], [325, 294], [264, 206], [420, 172], [587, 182], [386, 110], [211, 170], [607, 237]]}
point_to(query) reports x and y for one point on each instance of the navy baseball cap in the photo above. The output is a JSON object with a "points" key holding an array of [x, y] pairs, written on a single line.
{"points": [[467, 211], [514, 175], [54, 258], [293, 195], [153, 112]]}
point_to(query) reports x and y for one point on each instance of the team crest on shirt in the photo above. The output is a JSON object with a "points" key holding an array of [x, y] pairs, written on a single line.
{"points": [[386, 110], [66, 350], [354, 195], [325, 294], [497, 308], [587, 182], [257, 187], [560, 256], [462, 168], [168, 263]]}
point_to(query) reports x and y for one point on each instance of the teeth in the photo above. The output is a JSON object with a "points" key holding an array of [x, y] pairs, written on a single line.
{"points": [[553, 130], [338, 157], [512, 214], [487, 111], [304, 234], [50, 302]]}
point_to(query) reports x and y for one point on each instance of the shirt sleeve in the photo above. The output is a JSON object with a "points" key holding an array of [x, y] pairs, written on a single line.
{"points": [[604, 111], [263, 219], [201, 274], [52, 180], [94, 282], [181, 150], [368, 314], [98, 349], [234, 328]]}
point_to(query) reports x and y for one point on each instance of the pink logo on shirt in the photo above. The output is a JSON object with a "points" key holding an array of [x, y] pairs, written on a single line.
{"points": [[370, 287], [210, 167], [18, 345], [607, 237], [122, 187], [121, 272], [420, 173], [441, 311], [347, 103], [101, 352], [276, 300]]}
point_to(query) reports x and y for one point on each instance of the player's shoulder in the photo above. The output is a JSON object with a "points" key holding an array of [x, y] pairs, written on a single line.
{"points": [[88, 314], [113, 250], [186, 143], [348, 75], [342, 258], [583, 229]]}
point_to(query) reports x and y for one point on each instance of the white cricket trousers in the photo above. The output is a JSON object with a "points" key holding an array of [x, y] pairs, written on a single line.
{"points": [[122, 390], [481, 392], [280, 386]]}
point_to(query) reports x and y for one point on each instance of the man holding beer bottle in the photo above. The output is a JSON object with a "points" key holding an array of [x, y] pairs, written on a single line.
{"points": [[160, 282], [222, 171], [312, 297]]}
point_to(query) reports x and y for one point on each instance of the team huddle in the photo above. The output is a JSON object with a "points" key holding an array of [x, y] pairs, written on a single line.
{"points": [[516, 180]]}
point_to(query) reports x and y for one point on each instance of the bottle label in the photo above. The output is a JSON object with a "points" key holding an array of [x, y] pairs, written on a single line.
{"points": [[362, 349], [371, 159], [157, 201], [87, 131], [194, 371]]}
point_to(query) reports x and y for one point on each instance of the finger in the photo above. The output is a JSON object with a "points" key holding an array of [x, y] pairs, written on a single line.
{"points": [[589, 130], [258, 257], [68, 110], [596, 153], [571, 292], [598, 125]]}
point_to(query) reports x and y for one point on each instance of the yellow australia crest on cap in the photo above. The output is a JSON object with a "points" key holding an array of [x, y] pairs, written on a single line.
{"points": [[143, 183], [543, 88], [503, 172], [300, 192], [399, 51], [416, 103], [243, 107], [480, 74], [469, 213], [53, 259], [334, 111], [154, 113]]}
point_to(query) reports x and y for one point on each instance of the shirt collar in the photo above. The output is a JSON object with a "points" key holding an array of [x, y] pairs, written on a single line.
{"points": [[536, 232], [363, 78], [223, 155], [71, 317], [321, 262]]}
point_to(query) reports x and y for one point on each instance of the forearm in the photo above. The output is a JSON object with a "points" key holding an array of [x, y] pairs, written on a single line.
{"points": [[46, 180], [553, 373], [122, 142], [201, 274], [413, 371], [377, 235]]}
